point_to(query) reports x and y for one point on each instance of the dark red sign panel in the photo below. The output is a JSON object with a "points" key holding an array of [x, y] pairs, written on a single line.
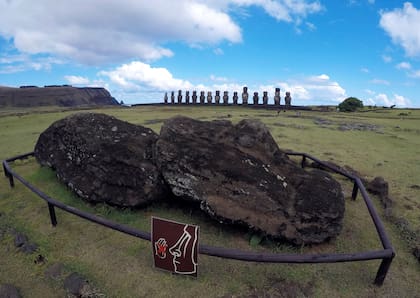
{"points": [[175, 246]]}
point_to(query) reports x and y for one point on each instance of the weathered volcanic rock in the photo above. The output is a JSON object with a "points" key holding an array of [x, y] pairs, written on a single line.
{"points": [[239, 175], [103, 159]]}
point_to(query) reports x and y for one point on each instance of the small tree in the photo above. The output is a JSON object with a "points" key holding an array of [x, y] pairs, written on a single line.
{"points": [[350, 104]]}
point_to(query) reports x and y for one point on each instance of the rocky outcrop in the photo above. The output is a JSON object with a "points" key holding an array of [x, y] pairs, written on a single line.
{"points": [[65, 96], [239, 175], [103, 159]]}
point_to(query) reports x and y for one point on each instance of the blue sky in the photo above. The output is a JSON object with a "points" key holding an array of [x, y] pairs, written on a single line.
{"points": [[320, 51]]}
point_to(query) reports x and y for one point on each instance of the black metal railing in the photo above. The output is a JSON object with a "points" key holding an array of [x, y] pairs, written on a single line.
{"points": [[386, 254]]}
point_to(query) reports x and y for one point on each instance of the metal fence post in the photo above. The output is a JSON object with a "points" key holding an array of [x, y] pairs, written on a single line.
{"points": [[302, 164], [52, 214], [382, 271], [355, 190]]}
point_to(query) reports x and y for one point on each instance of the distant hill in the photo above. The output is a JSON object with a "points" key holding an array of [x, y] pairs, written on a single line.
{"points": [[55, 95]]}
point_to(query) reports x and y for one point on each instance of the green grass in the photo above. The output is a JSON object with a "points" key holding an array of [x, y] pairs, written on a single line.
{"points": [[121, 266]]}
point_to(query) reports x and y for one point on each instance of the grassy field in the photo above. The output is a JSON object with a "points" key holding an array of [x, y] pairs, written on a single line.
{"points": [[377, 143]]}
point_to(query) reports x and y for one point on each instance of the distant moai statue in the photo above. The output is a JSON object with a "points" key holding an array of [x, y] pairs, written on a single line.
{"points": [[209, 97], [173, 97], [245, 96], [265, 98], [288, 99], [255, 98], [187, 96], [217, 97], [179, 96], [194, 97], [225, 97], [277, 97], [235, 97], [202, 97], [165, 98]]}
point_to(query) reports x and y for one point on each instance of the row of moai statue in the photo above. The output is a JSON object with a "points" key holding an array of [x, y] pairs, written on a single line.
{"points": [[202, 99]]}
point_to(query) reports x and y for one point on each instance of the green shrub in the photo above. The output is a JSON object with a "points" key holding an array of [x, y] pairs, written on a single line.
{"points": [[350, 104]]}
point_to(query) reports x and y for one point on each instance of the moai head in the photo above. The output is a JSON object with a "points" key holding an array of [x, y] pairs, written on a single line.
{"points": [[235, 97], [265, 97], [202, 97], [187, 96], [217, 97], [173, 97], [194, 96], [209, 97], [165, 98], [225, 97], [255, 98]]}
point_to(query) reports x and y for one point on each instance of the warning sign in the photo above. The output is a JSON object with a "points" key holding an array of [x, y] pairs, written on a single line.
{"points": [[175, 246]]}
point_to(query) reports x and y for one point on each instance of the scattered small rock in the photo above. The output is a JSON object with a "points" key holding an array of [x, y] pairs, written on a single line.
{"points": [[20, 240], [359, 126], [29, 248], [415, 186], [378, 186], [9, 291], [40, 259]]}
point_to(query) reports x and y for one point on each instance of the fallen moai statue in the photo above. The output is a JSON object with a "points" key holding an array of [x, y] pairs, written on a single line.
{"points": [[236, 173]]}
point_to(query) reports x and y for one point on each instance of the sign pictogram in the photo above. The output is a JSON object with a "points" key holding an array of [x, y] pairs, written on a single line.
{"points": [[175, 246]]}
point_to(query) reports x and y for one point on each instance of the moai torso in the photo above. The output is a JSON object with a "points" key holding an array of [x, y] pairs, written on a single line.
{"points": [[187, 96], [202, 97], [245, 96], [165, 98], [209, 97], [277, 97], [225, 97], [255, 98], [194, 97], [173, 97], [235, 97], [265, 97], [179, 96], [217, 97], [288, 99]]}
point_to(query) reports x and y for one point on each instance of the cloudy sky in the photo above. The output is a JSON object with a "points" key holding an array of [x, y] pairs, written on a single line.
{"points": [[321, 51]]}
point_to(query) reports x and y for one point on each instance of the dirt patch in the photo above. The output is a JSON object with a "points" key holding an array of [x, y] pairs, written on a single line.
{"points": [[282, 288], [359, 126]]}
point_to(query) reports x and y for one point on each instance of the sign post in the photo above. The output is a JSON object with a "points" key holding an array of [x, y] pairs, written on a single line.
{"points": [[175, 246]]}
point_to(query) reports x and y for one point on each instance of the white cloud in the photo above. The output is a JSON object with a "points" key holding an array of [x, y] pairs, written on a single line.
{"points": [[403, 65], [371, 1], [22, 62], [95, 31], [137, 75], [415, 74], [77, 80], [380, 82], [284, 10], [386, 100], [398, 100], [218, 51], [402, 25], [386, 58], [364, 69], [102, 31], [218, 79]]}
